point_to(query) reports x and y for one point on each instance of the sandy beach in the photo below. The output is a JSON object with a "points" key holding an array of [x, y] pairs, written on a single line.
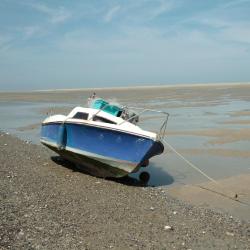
{"points": [[48, 204]]}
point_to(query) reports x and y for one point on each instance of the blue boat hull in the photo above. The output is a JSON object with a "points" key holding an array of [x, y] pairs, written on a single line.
{"points": [[100, 151]]}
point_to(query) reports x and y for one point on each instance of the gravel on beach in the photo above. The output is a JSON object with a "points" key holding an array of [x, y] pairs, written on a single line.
{"points": [[47, 204]]}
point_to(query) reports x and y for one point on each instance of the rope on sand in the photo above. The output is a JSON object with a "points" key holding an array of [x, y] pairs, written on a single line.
{"points": [[234, 196]]}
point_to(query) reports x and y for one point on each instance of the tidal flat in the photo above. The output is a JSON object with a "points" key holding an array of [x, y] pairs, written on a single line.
{"points": [[208, 125]]}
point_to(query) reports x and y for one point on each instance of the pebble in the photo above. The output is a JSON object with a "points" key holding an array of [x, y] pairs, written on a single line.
{"points": [[229, 234], [5, 144], [21, 233], [167, 228]]}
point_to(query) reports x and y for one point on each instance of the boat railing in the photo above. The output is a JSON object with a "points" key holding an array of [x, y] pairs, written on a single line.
{"points": [[98, 111], [162, 131]]}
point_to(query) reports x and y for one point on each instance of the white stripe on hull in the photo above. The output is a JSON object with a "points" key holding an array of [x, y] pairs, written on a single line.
{"points": [[126, 166]]}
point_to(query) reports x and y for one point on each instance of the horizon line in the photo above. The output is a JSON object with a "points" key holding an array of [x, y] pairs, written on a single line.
{"points": [[132, 87]]}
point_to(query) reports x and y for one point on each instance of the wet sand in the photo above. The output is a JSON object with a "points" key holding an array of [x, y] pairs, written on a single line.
{"points": [[220, 136], [212, 126], [242, 122], [47, 204], [193, 95], [30, 127], [220, 195], [241, 113], [217, 152], [209, 125]]}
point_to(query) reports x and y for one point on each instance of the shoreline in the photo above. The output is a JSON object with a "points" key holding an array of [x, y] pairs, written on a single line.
{"points": [[47, 203]]}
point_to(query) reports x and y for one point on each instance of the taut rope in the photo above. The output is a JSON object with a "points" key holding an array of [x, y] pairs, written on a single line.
{"points": [[234, 196]]}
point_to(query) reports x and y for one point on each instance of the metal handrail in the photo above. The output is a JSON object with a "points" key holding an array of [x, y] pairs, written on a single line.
{"points": [[162, 130], [98, 111]]}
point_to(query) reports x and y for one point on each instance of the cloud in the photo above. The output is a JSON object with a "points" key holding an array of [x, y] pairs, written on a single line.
{"points": [[5, 42], [111, 13], [225, 23], [4, 39], [148, 41], [142, 11], [163, 7], [56, 15], [234, 3], [31, 31], [60, 15], [228, 30], [238, 32]]}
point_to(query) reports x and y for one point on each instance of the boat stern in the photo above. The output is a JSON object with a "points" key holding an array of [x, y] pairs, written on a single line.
{"points": [[156, 149]]}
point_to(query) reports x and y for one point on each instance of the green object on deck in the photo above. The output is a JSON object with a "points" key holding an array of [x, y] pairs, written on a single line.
{"points": [[106, 107]]}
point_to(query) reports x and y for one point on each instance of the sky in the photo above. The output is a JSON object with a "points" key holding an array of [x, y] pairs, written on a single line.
{"points": [[97, 43]]}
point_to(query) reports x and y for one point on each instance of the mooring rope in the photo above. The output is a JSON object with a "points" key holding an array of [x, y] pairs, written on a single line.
{"points": [[234, 196]]}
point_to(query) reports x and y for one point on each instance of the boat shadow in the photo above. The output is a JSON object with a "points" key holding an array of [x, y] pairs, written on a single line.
{"points": [[158, 177]]}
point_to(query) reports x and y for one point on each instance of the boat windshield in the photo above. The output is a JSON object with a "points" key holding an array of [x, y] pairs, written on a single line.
{"points": [[106, 107], [128, 114]]}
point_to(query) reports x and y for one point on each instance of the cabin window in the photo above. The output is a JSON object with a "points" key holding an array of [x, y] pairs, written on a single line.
{"points": [[81, 115], [101, 119]]}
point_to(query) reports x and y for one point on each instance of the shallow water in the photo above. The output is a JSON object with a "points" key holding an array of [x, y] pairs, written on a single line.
{"points": [[190, 111]]}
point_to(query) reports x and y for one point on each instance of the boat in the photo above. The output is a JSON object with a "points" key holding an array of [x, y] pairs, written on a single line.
{"points": [[103, 138]]}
